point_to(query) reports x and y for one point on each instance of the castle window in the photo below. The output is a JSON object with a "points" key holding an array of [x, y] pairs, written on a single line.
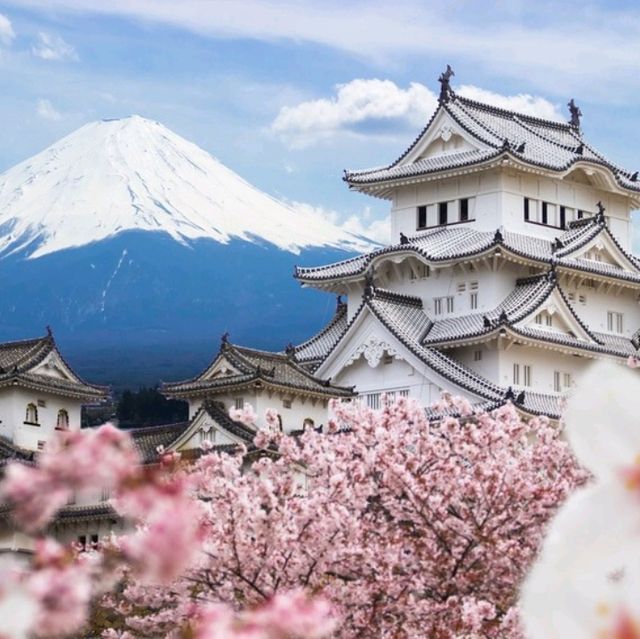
{"points": [[443, 213], [422, 217], [614, 322], [477, 356], [526, 209], [561, 381], [582, 299], [545, 213], [473, 301], [373, 401], [42, 403], [286, 403], [443, 304], [403, 392], [31, 416], [516, 373], [563, 217], [462, 287], [239, 403], [62, 422], [526, 370], [41, 444], [464, 209], [387, 359]]}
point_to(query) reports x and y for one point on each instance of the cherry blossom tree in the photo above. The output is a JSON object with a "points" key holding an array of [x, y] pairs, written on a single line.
{"points": [[385, 524]]}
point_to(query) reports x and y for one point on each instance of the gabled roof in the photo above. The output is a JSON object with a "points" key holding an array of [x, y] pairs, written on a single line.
{"points": [[20, 366], [403, 316], [147, 440], [446, 244], [316, 347], [498, 133], [249, 367]]}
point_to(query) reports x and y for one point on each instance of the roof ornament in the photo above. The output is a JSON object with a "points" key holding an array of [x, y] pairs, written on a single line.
{"points": [[635, 340], [49, 331], [579, 150], [224, 340], [552, 276], [600, 214], [498, 237], [510, 395], [634, 177], [556, 245], [504, 318], [486, 321], [339, 302], [520, 148], [520, 398], [403, 238], [446, 92], [576, 114], [369, 287], [290, 350], [506, 145]]}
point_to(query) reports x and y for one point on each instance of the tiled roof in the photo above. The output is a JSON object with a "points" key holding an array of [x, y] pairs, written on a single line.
{"points": [[448, 243], [148, 439], [257, 367], [10, 452], [524, 299], [401, 315], [543, 143], [19, 358], [220, 415], [316, 347]]}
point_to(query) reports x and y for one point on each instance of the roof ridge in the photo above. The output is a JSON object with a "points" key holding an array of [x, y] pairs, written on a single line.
{"points": [[508, 112], [404, 298]]}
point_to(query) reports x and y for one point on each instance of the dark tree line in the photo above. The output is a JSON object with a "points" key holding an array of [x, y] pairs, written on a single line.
{"points": [[148, 407]]}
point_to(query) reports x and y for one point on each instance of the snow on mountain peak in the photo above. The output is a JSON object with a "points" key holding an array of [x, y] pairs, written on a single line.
{"points": [[131, 173]]}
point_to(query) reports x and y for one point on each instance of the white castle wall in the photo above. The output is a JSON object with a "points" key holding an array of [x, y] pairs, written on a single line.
{"points": [[13, 407], [496, 199]]}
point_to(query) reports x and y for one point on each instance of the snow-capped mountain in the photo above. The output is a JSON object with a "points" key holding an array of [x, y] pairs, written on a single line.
{"points": [[135, 174], [140, 249]]}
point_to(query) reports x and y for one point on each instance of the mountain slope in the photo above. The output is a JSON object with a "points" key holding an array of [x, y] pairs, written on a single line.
{"points": [[135, 174], [139, 249]]}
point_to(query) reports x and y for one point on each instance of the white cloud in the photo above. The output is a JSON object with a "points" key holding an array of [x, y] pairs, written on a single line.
{"points": [[7, 33], [575, 46], [378, 107], [364, 225], [47, 111], [355, 104], [50, 46]]}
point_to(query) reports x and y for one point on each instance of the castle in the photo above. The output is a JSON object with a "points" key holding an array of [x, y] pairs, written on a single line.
{"points": [[512, 270]]}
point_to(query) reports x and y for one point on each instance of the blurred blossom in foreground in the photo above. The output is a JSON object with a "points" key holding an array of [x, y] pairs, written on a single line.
{"points": [[586, 583]]}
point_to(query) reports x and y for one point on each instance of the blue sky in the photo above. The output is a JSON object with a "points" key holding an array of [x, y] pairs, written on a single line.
{"points": [[289, 93]]}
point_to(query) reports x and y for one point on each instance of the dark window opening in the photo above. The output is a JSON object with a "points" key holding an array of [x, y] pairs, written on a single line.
{"points": [[526, 209], [442, 213], [464, 209], [544, 213], [580, 214], [422, 217], [563, 217]]}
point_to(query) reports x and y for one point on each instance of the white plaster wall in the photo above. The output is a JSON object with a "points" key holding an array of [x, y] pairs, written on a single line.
{"points": [[499, 202], [389, 377], [594, 311], [13, 407]]}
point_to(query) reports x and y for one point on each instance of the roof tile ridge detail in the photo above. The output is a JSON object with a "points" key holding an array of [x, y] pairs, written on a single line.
{"points": [[500, 111], [404, 299], [337, 316], [475, 134]]}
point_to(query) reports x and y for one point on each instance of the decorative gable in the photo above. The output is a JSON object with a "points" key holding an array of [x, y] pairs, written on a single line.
{"points": [[220, 369], [603, 250], [443, 136], [53, 366], [555, 315]]}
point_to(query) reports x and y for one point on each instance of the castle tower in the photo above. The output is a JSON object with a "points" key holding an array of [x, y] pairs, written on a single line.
{"points": [[512, 269]]}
